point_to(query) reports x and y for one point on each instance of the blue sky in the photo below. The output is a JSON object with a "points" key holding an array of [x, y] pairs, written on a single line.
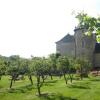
{"points": [[31, 27]]}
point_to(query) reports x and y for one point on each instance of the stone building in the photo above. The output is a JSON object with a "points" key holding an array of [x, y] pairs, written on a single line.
{"points": [[80, 45]]}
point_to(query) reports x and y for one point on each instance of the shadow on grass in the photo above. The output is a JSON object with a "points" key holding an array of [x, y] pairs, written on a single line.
{"points": [[16, 91], [1, 87], [51, 81], [22, 89], [52, 96], [47, 84], [80, 85], [96, 79]]}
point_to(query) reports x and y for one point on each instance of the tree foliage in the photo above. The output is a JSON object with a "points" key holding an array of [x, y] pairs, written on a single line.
{"points": [[83, 67], [92, 24], [2, 66], [63, 66], [41, 68]]}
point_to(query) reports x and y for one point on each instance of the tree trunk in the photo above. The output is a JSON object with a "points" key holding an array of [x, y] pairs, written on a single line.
{"points": [[71, 78], [38, 85], [60, 76], [65, 78], [11, 83], [0, 77], [43, 78], [51, 77], [81, 74], [30, 78]]}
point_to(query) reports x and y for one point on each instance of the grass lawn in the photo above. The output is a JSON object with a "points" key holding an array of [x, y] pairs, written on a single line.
{"points": [[56, 89]]}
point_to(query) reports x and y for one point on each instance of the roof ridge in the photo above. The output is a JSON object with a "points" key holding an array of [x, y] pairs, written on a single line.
{"points": [[67, 38]]}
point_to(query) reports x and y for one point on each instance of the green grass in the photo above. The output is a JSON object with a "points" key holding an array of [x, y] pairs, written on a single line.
{"points": [[56, 89]]}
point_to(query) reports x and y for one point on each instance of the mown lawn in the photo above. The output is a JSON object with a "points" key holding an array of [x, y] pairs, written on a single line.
{"points": [[56, 89]]}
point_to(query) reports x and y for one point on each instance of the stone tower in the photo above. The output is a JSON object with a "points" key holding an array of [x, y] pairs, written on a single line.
{"points": [[84, 45]]}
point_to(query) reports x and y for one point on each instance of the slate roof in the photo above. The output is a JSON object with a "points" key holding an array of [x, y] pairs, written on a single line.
{"points": [[97, 48], [67, 38]]}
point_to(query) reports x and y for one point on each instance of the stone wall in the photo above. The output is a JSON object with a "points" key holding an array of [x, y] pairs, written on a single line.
{"points": [[97, 59], [66, 49]]}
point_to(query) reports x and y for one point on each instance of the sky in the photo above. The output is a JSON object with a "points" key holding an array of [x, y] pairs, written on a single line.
{"points": [[31, 27]]}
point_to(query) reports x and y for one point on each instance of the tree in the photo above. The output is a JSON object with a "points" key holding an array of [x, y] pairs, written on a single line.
{"points": [[13, 68], [83, 67], [90, 23], [2, 66], [63, 66], [37, 67], [25, 68], [52, 63], [71, 69], [18, 66]]}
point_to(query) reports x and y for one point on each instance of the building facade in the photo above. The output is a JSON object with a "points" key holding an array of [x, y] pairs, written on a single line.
{"points": [[80, 45]]}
